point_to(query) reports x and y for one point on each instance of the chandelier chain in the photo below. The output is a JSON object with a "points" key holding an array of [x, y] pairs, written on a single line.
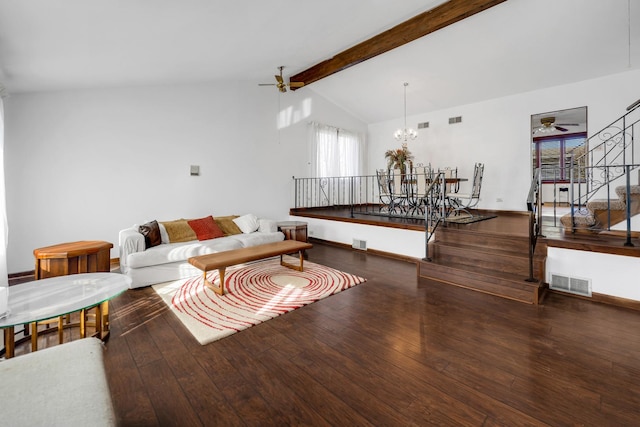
{"points": [[406, 133]]}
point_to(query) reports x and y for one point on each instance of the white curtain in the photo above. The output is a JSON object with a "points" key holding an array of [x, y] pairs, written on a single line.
{"points": [[335, 152], [4, 279]]}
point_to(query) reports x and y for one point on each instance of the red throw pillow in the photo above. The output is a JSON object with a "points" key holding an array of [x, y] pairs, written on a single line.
{"points": [[205, 228]]}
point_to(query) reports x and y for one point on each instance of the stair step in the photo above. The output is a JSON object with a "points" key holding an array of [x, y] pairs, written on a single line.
{"points": [[519, 244], [488, 261], [503, 261], [505, 285]]}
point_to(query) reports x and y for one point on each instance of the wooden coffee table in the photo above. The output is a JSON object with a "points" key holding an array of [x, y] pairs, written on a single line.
{"points": [[222, 260]]}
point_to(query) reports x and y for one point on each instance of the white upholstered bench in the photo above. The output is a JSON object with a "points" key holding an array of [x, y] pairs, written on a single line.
{"points": [[64, 385]]}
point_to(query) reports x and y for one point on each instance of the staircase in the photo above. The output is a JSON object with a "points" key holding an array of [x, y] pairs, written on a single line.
{"points": [[488, 262], [599, 213], [606, 168]]}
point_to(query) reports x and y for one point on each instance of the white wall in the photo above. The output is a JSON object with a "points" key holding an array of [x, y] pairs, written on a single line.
{"points": [[497, 133], [392, 240], [619, 278], [82, 165]]}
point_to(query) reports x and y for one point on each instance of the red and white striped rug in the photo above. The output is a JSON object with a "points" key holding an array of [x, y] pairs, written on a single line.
{"points": [[254, 293]]}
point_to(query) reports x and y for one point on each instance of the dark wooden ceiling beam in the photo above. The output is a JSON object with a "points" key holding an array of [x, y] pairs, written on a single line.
{"points": [[419, 26]]}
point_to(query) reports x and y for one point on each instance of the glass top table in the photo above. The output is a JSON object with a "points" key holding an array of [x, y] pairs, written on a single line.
{"points": [[45, 299]]}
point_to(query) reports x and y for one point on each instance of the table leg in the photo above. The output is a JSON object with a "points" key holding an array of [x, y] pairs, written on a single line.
{"points": [[104, 312], [99, 325], [9, 342], [83, 323], [293, 266], [60, 329], [217, 289], [34, 336]]}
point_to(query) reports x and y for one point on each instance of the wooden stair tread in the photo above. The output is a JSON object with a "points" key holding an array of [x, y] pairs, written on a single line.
{"points": [[489, 282], [480, 271], [488, 250], [487, 262]]}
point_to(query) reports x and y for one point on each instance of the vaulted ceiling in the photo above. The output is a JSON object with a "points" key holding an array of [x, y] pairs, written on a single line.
{"points": [[513, 47]]}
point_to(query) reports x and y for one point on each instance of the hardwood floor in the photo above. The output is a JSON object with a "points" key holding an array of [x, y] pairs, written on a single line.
{"points": [[393, 351]]}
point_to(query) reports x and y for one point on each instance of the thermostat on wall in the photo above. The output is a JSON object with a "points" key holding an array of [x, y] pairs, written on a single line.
{"points": [[195, 170]]}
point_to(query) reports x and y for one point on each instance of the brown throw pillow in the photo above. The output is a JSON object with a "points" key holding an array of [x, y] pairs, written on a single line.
{"points": [[205, 228], [227, 225], [151, 233], [179, 231]]}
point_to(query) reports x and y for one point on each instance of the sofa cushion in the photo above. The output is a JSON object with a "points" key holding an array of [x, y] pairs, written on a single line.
{"points": [[257, 238], [247, 223], [179, 231], [180, 252], [151, 233], [227, 225], [205, 228], [267, 225]]}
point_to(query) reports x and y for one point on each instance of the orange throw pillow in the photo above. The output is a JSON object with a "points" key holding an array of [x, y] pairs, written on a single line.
{"points": [[205, 228]]}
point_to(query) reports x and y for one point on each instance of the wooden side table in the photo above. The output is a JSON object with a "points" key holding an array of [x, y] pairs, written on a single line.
{"points": [[294, 230], [88, 256]]}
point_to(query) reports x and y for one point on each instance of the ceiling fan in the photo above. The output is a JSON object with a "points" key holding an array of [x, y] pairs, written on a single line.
{"points": [[280, 84], [549, 125]]}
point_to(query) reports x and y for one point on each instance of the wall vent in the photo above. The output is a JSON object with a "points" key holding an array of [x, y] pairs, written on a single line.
{"points": [[574, 285], [426, 125], [454, 120], [359, 244]]}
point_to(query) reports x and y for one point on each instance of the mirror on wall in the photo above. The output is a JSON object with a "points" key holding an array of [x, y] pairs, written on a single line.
{"points": [[572, 120], [555, 135]]}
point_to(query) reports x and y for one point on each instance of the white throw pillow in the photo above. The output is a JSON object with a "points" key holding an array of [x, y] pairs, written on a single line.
{"points": [[164, 236], [267, 226], [247, 223]]}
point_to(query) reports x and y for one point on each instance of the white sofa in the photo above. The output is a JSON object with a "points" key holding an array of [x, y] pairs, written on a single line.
{"points": [[168, 261]]}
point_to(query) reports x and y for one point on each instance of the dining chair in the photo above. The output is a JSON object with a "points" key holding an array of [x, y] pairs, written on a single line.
{"points": [[384, 188], [418, 181], [399, 191], [463, 202], [451, 172]]}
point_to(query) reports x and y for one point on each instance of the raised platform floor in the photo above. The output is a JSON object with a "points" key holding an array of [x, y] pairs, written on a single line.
{"points": [[492, 256], [506, 223]]}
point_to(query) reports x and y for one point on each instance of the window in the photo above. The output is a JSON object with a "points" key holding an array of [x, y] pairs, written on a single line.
{"points": [[335, 152], [552, 155]]}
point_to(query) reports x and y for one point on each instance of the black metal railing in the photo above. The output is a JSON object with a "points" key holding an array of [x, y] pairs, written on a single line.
{"points": [[534, 206], [609, 152], [597, 176], [381, 195]]}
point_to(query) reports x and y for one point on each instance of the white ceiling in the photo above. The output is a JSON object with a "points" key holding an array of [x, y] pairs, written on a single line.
{"points": [[517, 46]]}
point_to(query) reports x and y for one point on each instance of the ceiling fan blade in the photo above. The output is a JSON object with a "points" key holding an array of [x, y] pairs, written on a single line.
{"points": [[283, 89], [279, 79], [296, 84], [561, 129], [266, 84]]}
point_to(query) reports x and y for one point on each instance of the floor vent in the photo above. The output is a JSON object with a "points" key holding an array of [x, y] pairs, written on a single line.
{"points": [[574, 285], [359, 244]]}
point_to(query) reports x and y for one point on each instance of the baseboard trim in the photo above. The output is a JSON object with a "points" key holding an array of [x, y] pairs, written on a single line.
{"points": [[603, 299], [371, 251], [21, 274]]}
